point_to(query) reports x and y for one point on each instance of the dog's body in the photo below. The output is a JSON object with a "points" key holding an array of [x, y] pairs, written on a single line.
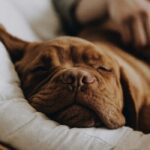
{"points": [[82, 84]]}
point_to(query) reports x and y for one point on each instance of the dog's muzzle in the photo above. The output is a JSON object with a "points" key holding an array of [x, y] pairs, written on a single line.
{"points": [[77, 80]]}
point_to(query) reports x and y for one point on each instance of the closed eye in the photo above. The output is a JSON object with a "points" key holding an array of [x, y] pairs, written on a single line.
{"points": [[40, 69], [104, 69]]}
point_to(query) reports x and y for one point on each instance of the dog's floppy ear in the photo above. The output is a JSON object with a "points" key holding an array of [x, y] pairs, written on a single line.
{"points": [[130, 97], [15, 46]]}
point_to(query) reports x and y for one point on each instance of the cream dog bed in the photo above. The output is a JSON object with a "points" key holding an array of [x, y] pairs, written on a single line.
{"points": [[21, 125]]}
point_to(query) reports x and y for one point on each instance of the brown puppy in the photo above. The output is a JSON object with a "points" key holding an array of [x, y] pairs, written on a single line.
{"points": [[82, 84]]}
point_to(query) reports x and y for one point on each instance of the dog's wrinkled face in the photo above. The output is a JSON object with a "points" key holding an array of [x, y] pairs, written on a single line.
{"points": [[80, 84], [71, 81]]}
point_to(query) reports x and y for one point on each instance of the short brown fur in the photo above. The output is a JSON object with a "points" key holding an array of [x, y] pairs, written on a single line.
{"points": [[81, 83]]}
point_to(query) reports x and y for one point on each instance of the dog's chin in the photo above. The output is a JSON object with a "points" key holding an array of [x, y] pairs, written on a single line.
{"points": [[72, 112], [77, 116]]}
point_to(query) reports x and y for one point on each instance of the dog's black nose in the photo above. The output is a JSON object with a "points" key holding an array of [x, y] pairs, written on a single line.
{"points": [[77, 79]]}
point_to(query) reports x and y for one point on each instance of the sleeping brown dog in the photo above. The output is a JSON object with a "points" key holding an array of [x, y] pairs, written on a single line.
{"points": [[81, 83]]}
